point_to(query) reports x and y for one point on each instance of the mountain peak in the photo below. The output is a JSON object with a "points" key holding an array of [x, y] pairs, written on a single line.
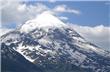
{"points": [[44, 19]]}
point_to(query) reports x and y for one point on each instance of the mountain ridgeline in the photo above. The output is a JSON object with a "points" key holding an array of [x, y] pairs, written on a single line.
{"points": [[46, 44]]}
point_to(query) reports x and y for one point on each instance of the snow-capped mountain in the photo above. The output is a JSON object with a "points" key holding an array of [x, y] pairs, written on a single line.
{"points": [[44, 20], [54, 46]]}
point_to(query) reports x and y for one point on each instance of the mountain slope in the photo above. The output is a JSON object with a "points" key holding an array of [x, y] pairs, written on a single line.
{"points": [[14, 62], [55, 47]]}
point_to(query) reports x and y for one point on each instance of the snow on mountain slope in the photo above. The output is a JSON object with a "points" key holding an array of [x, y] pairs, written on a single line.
{"points": [[43, 20], [46, 40], [4, 31], [47, 21]]}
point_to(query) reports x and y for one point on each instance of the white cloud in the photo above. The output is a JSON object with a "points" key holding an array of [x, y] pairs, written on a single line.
{"points": [[63, 18], [17, 12], [52, 1], [99, 35], [64, 8]]}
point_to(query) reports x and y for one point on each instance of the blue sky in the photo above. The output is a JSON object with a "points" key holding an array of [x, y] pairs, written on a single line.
{"points": [[92, 12]]}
